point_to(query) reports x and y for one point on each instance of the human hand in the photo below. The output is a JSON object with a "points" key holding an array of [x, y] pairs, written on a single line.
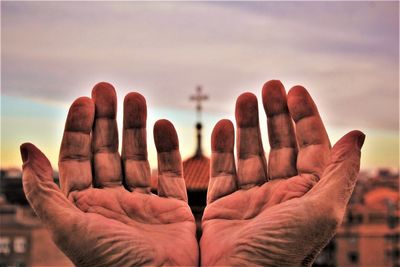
{"points": [[286, 215], [105, 214]]}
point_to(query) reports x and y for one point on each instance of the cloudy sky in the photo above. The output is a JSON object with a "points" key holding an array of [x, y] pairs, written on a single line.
{"points": [[345, 54]]}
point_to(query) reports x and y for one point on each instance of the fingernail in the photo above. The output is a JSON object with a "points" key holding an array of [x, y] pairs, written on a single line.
{"points": [[360, 140], [24, 153]]}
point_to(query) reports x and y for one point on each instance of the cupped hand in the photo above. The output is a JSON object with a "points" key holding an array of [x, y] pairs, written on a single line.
{"points": [[105, 213], [283, 213]]}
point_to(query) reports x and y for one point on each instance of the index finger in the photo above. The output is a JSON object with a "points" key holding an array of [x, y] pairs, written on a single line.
{"points": [[313, 141], [281, 136], [107, 162], [170, 170], [134, 145], [252, 166], [75, 152]]}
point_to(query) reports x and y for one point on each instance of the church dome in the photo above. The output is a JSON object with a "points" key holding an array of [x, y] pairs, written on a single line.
{"points": [[196, 171]]}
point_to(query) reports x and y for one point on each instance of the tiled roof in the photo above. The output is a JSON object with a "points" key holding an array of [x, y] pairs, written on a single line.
{"points": [[196, 172]]}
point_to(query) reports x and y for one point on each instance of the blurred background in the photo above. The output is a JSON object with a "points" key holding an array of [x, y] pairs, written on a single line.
{"points": [[345, 54]]}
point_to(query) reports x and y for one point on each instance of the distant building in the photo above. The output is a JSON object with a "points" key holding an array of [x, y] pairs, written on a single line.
{"points": [[11, 186], [24, 241], [370, 232], [369, 235]]}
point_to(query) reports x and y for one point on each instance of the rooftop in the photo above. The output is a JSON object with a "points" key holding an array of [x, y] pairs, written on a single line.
{"points": [[196, 172]]}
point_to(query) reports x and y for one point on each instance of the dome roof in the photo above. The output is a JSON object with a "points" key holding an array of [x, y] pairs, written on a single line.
{"points": [[196, 172]]}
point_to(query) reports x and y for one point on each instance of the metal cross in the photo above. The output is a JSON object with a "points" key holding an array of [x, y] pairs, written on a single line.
{"points": [[199, 97]]}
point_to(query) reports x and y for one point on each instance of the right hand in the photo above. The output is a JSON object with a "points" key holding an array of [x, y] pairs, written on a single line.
{"points": [[286, 215]]}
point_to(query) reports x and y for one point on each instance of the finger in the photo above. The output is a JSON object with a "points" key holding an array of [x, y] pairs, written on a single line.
{"points": [[134, 146], [313, 141], [223, 179], [282, 139], [107, 162], [252, 166], [74, 161], [42, 193], [339, 178], [170, 179]]}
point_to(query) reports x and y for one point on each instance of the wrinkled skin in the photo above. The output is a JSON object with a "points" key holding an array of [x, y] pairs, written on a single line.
{"points": [[108, 216], [282, 214]]}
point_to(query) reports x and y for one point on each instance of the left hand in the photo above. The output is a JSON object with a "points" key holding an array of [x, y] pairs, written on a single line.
{"points": [[107, 216]]}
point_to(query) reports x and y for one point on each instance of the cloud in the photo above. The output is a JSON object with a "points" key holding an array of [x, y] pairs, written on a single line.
{"points": [[346, 54]]}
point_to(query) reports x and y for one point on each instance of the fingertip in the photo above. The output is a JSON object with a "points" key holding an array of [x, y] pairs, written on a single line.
{"points": [[349, 146], [102, 87], [24, 149], [32, 155], [355, 137], [29, 147], [103, 90], [105, 99], [247, 110], [135, 98], [274, 98], [272, 85], [83, 101], [80, 115], [361, 139], [300, 103], [298, 90], [165, 136], [135, 111], [297, 94], [222, 137], [274, 82], [246, 101]]}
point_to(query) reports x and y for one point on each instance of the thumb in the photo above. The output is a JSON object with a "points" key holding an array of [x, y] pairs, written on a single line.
{"points": [[340, 176], [42, 193]]}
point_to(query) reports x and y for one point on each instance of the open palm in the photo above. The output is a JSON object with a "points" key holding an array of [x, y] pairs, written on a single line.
{"points": [[283, 214], [105, 214]]}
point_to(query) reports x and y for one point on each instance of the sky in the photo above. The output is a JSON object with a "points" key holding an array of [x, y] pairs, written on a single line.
{"points": [[345, 53]]}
